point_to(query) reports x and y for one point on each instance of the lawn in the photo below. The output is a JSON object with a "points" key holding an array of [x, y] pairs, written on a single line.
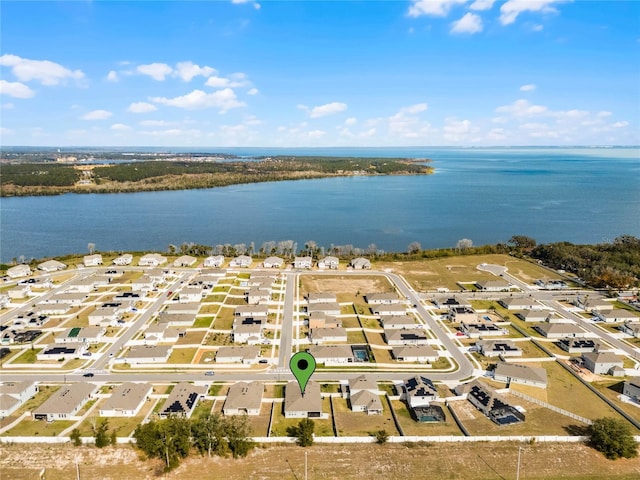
{"points": [[224, 319], [280, 423], [30, 428], [350, 423], [44, 392], [182, 355], [356, 337], [260, 423], [192, 337], [203, 322], [28, 356]]}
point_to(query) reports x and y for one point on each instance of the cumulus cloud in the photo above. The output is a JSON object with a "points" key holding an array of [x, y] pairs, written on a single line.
{"points": [[406, 123], [141, 107], [187, 70], [253, 91], [510, 10], [157, 71], [469, 23], [482, 5], [530, 87], [112, 76], [413, 109], [223, 100], [15, 89], [45, 71], [436, 8], [97, 115], [120, 127], [456, 130], [351, 121], [523, 108], [234, 80], [324, 110]]}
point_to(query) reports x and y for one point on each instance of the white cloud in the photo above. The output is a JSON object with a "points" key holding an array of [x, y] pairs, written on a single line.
{"points": [[537, 28], [173, 132], [256, 5], [235, 80], [622, 124], [15, 89], [46, 72], [187, 70], [7, 106], [406, 123], [456, 130], [6, 131], [155, 123], [326, 109], [510, 10], [351, 121], [316, 134], [223, 100], [120, 127], [482, 5], [157, 71], [530, 87], [437, 8], [413, 109], [497, 134], [112, 76], [253, 91], [523, 108], [469, 23], [97, 115], [603, 114], [141, 107]]}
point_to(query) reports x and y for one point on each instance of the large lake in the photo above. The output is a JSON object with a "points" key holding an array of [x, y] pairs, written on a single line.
{"points": [[582, 195]]}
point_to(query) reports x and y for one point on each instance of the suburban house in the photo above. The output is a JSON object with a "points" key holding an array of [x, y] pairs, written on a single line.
{"points": [[245, 354], [364, 396], [321, 320], [57, 351], [105, 315], [397, 322], [321, 297], [303, 262], [161, 332], [360, 263], [419, 391], [149, 354], [445, 303], [462, 314], [559, 330], [51, 266], [520, 303], [577, 344], [592, 304], [256, 296], [330, 308], [523, 374], [327, 335], [122, 260], [415, 353], [84, 285], [182, 400], [477, 330], [631, 328], [19, 291], [181, 309], [215, 261], [184, 261], [242, 261], [248, 330], [19, 271], [601, 363], [72, 299], [81, 335], [126, 400], [244, 398], [297, 405], [331, 263], [385, 309], [497, 348], [332, 354], [617, 316], [251, 311], [152, 260], [631, 389], [65, 402], [143, 284], [490, 403], [406, 336], [497, 285], [533, 315], [382, 298], [190, 294], [14, 394], [551, 284], [92, 260], [273, 262]]}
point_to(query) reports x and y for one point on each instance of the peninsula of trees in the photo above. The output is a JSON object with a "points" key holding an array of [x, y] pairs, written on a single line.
{"points": [[50, 176]]}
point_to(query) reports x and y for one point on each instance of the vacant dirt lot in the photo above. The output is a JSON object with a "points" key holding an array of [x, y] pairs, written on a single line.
{"points": [[388, 462]]}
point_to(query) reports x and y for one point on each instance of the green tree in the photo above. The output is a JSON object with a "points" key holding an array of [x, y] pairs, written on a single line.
{"points": [[237, 431], [75, 437], [381, 437], [209, 434], [522, 242], [613, 438], [100, 433], [303, 432], [168, 439]]}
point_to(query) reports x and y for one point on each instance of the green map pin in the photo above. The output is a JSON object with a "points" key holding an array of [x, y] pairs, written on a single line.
{"points": [[302, 365]]}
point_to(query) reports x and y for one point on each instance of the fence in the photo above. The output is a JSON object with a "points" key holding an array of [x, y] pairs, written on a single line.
{"points": [[551, 407]]}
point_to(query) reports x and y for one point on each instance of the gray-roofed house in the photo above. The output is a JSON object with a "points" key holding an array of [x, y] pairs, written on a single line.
{"points": [[66, 351], [617, 315], [65, 402], [533, 315], [329, 308], [360, 263], [497, 285], [496, 348], [406, 336], [462, 314], [415, 353], [329, 262], [601, 363], [332, 354], [477, 330], [149, 354], [245, 354], [327, 335], [185, 308], [214, 261], [321, 297], [520, 303], [631, 389], [397, 322], [244, 398], [51, 266], [419, 391], [18, 271], [559, 330], [303, 262], [490, 403], [191, 294], [152, 260], [631, 328], [365, 401], [125, 259], [388, 310], [247, 330], [126, 400], [591, 304], [523, 374], [298, 406], [387, 298], [182, 400], [251, 311], [577, 345], [81, 335], [176, 319], [92, 260], [273, 262], [184, 261], [14, 394], [242, 261], [257, 296]]}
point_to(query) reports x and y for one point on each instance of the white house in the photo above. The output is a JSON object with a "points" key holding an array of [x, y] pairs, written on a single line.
{"points": [[242, 261], [14, 394], [92, 260], [330, 263], [190, 294], [415, 353], [522, 374], [105, 316], [631, 389], [520, 303], [126, 400], [143, 284], [406, 336], [631, 328], [364, 396], [616, 316], [497, 348], [56, 351], [251, 311], [419, 391], [245, 354], [80, 335], [360, 263], [303, 262], [498, 285], [19, 271], [247, 330], [273, 262], [332, 354], [152, 260], [321, 297], [385, 309], [256, 296], [125, 259], [184, 261], [327, 335], [215, 261], [51, 266], [391, 322], [332, 308], [601, 363], [65, 402], [19, 291], [387, 298], [149, 354]]}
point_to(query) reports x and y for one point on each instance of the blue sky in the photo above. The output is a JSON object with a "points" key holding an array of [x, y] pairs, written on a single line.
{"points": [[285, 73]]}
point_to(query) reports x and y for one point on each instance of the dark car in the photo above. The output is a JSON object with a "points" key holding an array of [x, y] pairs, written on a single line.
{"points": [[209, 373], [88, 374]]}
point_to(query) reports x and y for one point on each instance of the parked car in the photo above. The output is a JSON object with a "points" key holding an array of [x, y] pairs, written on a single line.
{"points": [[88, 374], [209, 373]]}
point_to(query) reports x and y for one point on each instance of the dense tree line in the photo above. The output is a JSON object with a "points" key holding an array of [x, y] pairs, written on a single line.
{"points": [[613, 265], [613, 437], [174, 438], [44, 175]]}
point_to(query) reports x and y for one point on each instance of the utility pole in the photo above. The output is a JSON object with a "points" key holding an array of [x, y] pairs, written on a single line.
{"points": [[518, 469]]}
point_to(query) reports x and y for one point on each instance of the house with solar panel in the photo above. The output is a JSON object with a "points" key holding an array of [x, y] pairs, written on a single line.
{"points": [[182, 400], [490, 403]]}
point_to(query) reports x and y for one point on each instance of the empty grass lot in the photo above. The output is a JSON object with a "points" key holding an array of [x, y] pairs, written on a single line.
{"points": [[203, 322], [348, 288], [351, 423], [182, 355], [260, 423]]}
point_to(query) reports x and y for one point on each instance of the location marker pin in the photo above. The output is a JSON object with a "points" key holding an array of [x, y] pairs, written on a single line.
{"points": [[302, 365]]}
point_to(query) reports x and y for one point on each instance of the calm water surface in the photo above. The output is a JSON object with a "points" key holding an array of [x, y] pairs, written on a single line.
{"points": [[487, 195]]}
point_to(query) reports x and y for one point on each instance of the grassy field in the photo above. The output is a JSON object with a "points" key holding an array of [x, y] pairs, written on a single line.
{"points": [[348, 289], [474, 461], [182, 355], [351, 423]]}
